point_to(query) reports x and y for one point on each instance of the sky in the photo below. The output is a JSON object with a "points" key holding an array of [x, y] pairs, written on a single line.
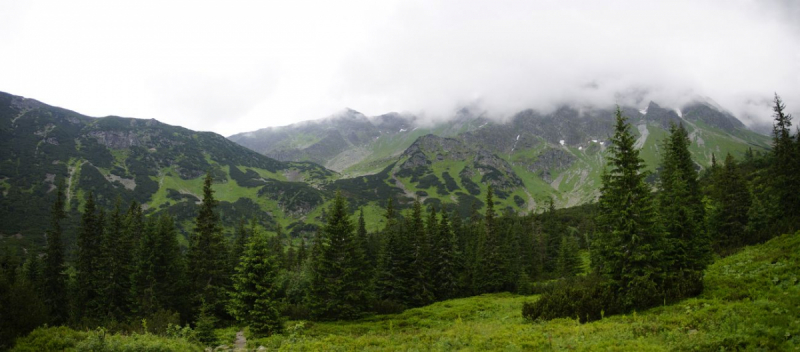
{"points": [[236, 66]]}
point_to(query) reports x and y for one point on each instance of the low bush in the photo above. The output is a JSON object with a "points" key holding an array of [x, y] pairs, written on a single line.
{"points": [[587, 299]]}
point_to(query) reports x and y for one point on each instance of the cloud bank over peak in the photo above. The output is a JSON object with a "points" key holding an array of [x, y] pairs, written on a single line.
{"points": [[239, 66]]}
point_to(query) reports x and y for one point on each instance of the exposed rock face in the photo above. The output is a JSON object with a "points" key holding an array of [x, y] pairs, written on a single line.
{"points": [[116, 139], [442, 148], [551, 160], [661, 116], [711, 116]]}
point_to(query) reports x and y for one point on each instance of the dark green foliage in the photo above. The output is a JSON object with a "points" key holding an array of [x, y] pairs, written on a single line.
{"points": [[449, 182], [688, 247], [395, 268], [785, 170], [568, 263], [117, 247], [158, 281], [490, 265], [294, 197], [377, 187], [421, 285], [628, 242], [54, 266], [471, 186], [731, 199], [447, 263], [253, 300], [338, 286], [208, 256], [586, 299], [204, 326], [89, 255]]}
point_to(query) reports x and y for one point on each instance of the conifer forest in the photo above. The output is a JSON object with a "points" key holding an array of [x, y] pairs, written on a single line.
{"points": [[680, 256]]}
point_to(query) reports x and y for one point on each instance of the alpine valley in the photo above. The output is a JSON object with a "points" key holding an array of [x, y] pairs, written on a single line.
{"points": [[285, 176]]}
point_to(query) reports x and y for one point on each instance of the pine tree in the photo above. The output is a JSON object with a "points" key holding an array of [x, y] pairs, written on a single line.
{"points": [[240, 239], [159, 275], [553, 230], [117, 249], [54, 278], [687, 247], [207, 256], [628, 241], [253, 300], [421, 285], [785, 162], [395, 267], [89, 273], [568, 263], [489, 275], [338, 283], [728, 220], [365, 261], [446, 261]]}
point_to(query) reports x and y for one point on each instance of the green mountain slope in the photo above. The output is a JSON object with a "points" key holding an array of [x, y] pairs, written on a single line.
{"points": [[528, 158], [147, 161]]}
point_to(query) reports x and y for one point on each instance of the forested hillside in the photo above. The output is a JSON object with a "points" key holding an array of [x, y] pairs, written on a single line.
{"points": [[647, 242]]}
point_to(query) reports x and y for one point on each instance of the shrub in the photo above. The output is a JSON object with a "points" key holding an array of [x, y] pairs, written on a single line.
{"points": [[586, 299], [50, 339]]}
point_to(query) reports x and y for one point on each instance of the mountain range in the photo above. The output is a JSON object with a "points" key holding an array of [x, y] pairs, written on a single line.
{"points": [[284, 176]]}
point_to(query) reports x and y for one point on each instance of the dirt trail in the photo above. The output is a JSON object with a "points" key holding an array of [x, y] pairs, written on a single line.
{"points": [[241, 342]]}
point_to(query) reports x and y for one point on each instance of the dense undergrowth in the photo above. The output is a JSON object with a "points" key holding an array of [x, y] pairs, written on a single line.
{"points": [[751, 301]]}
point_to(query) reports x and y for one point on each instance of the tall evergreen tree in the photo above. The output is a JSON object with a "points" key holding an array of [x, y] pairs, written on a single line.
{"points": [[338, 286], [489, 274], [687, 247], [785, 162], [553, 230], [159, 275], [395, 267], [89, 273], [240, 239], [421, 285], [207, 256], [117, 249], [728, 220], [568, 263], [446, 264], [253, 300], [54, 278], [628, 241]]}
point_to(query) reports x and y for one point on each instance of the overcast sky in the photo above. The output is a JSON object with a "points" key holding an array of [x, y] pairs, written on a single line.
{"points": [[235, 66]]}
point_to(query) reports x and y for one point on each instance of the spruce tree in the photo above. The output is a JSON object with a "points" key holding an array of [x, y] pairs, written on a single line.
{"points": [[159, 275], [207, 256], [395, 266], [628, 241], [446, 264], [489, 262], [785, 162], [568, 263], [687, 247], [254, 298], [240, 239], [421, 284], [89, 272], [54, 278], [728, 220], [117, 249], [338, 286]]}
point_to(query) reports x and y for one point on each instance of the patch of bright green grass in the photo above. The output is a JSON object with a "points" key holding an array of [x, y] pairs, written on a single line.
{"points": [[751, 302]]}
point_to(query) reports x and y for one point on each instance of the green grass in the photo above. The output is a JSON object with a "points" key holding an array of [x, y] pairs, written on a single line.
{"points": [[751, 302]]}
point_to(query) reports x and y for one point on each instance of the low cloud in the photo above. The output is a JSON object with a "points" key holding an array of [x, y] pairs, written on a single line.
{"points": [[239, 66]]}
